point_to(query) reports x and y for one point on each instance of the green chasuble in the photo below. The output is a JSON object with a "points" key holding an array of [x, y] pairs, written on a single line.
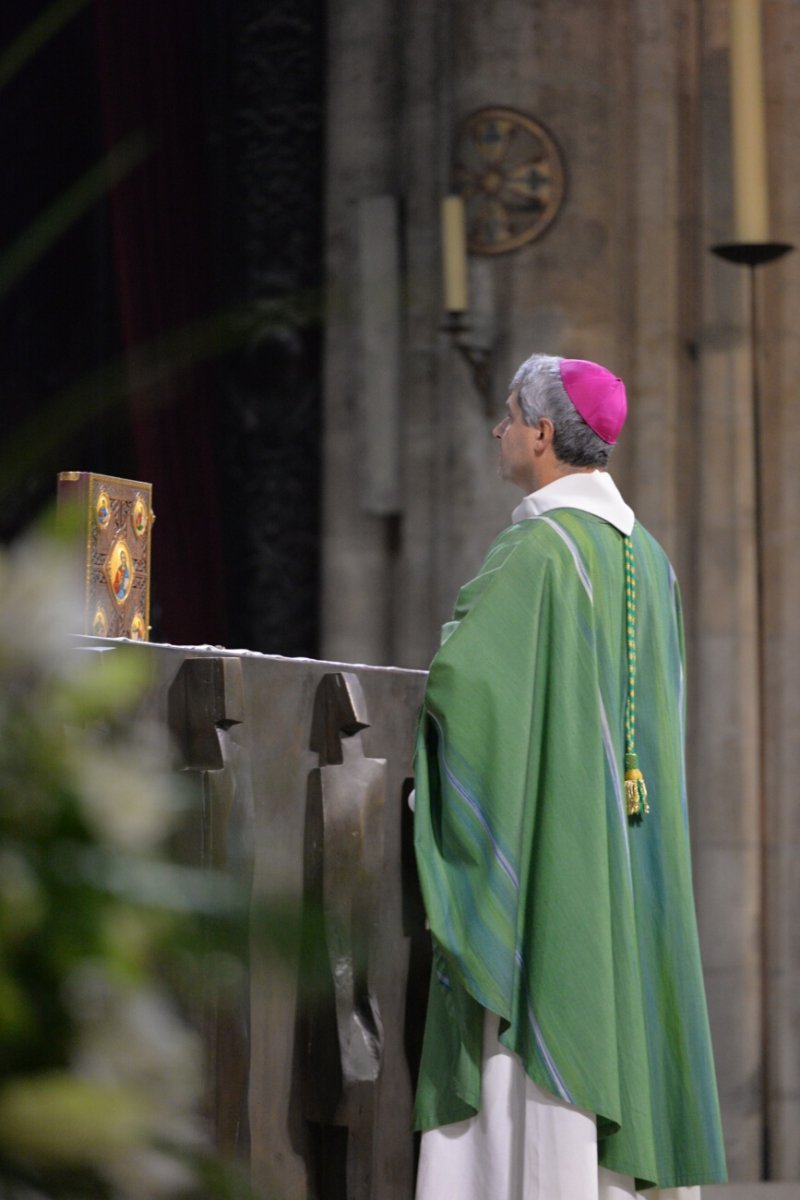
{"points": [[548, 905]]}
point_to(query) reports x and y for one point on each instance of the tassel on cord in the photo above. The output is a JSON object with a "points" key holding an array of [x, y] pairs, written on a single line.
{"points": [[635, 791]]}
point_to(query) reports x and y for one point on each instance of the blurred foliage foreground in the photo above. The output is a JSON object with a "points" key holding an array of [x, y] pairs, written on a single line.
{"points": [[100, 1073]]}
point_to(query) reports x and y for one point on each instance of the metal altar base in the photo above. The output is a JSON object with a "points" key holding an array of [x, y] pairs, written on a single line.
{"points": [[299, 773]]}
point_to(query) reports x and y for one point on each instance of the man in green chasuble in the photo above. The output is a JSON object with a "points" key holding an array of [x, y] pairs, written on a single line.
{"points": [[567, 1053]]}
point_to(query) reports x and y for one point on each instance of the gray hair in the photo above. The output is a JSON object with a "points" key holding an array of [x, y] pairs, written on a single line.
{"points": [[542, 394]]}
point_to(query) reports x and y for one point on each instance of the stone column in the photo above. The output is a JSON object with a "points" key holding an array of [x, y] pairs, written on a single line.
{"points": [[746, 880], [364, 88], [779, 297]]}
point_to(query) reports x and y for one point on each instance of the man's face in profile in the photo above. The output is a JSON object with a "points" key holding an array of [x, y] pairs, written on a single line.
{"points": [[516, 445]]}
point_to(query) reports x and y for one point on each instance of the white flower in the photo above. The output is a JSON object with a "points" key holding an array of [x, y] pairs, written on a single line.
{"points": [[147, 1172], [126, 792], [40, 605], [133, 1039]]}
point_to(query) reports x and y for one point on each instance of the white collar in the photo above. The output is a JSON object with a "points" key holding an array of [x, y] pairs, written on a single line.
{"points": [[591, 491]]}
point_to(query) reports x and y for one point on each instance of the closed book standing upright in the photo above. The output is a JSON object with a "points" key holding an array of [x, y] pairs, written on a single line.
{"points": [[116, 518]]}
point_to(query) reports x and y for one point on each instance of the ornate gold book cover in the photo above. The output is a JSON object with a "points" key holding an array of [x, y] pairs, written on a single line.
{"points": [[118, 516]]}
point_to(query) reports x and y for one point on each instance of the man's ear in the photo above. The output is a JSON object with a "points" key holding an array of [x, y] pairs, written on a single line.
{"points": [[545, 431]]}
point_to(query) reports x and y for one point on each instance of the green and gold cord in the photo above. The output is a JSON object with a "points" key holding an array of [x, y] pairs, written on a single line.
{"points": [[635, 791]]}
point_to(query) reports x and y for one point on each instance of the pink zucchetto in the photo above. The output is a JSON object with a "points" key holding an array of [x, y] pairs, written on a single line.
{"points": [[598, 396]]}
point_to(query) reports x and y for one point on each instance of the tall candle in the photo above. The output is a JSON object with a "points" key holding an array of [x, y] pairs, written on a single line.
{"points": [[454, 254], [748, 123]]}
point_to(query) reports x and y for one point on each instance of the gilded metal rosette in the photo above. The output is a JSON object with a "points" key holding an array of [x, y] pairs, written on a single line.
{"points": [[510, 172]]}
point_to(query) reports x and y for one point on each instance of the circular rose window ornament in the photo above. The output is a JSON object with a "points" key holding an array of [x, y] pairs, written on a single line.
{"points": [[510, 171]]}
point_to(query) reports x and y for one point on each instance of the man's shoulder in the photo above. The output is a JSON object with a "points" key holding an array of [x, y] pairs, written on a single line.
{"points": [[549, 528], [559, 544], [575, 537], [536, 535], [559, 531], [650, 550]]}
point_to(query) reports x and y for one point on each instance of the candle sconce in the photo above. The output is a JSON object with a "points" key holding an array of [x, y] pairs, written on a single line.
{"points": [[751, 254], [511, 182], [476, 347], [473, 339]]}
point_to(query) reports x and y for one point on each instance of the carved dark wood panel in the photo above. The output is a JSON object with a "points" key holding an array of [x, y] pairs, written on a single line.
{"points": [[265, 119]]}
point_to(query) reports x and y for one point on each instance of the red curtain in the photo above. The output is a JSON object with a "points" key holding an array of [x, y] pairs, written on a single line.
{"points": [[150, 69]]}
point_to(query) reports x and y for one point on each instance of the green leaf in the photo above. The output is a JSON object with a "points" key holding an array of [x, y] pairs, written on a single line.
{"points": [[57, 218], [36, 35]]}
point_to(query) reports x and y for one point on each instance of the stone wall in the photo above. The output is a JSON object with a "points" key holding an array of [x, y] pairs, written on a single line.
{"points": [[636, 93]]}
